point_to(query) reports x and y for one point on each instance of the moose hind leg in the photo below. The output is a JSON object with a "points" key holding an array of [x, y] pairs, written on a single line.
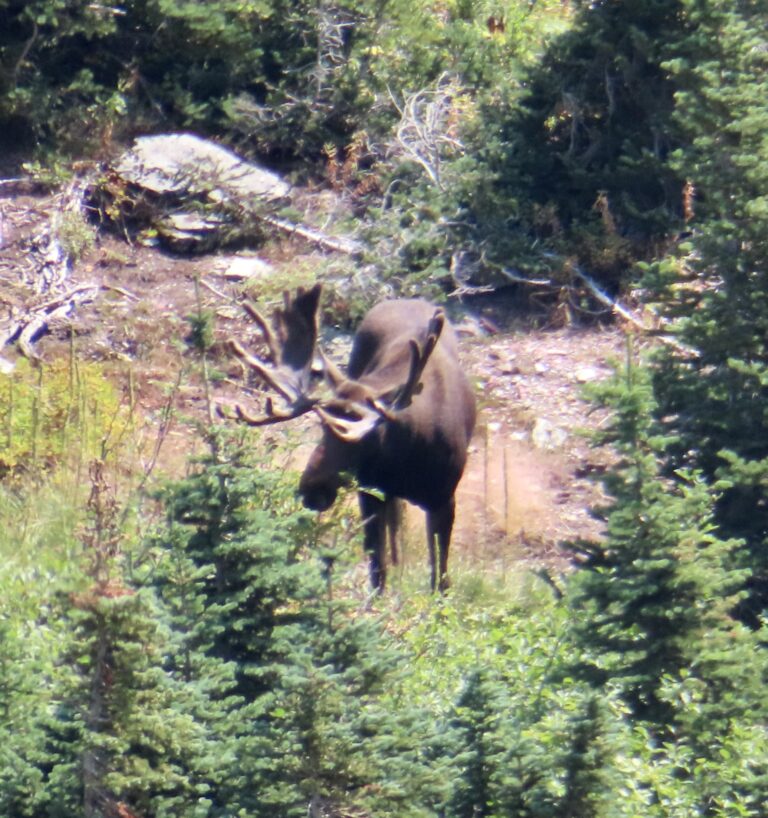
{"points": [[439, 529], [393, 514], [373, 511]]}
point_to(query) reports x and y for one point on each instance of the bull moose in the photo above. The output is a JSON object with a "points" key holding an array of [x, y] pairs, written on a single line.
{"points": [[399, 421]]}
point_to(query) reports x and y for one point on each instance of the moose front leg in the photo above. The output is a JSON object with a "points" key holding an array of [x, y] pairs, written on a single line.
{"points": [[374, 513], [439, 528]]}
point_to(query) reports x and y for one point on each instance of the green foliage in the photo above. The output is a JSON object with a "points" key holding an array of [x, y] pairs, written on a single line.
{"points": [[715, 287], [121, 733], [653, 622], [286, 79], [25, 660], [227, 678], [46, 85], [116, 733], [88, 713], [293, 681], [584, 152], [217, 672], [446, 220], [75, 235], [527, 167], [514, 740], [653, 600], [57, 412]]}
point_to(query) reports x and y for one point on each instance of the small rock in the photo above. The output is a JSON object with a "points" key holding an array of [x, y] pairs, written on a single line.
{"points": [[588, 374], [546, 436], [240, 268]]}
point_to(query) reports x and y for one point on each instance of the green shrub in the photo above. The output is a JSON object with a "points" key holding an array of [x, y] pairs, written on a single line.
{"points": [[55, 413]]}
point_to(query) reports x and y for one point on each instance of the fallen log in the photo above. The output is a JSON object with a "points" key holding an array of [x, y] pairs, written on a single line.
{"points": [[26, 329], [338, 244]]}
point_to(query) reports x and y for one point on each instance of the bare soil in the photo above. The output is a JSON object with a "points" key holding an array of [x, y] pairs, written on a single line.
{"points": [[528, 484]]}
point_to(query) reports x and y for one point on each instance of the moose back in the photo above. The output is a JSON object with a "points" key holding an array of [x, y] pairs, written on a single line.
{"points": [[399, 420]]}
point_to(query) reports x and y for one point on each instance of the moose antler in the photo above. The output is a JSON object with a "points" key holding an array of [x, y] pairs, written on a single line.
{"points": [[291, 343], [352, 420], [348, 420], [419, 358]]}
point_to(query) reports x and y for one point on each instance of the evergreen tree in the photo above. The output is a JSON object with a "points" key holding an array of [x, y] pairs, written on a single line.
{"points": [[713, 395], [587, 764], [296, 711], [118, 741], [22, 737], [582, 156], [474, 752], [653, 600], [513, 760]]}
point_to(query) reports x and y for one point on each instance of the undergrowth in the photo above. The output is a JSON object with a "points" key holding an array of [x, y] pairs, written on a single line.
{"points": [[59, 413]]}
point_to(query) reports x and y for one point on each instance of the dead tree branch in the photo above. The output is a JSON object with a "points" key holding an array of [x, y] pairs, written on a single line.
{"points": [[424, 134], [25, 329], [335, 243]]}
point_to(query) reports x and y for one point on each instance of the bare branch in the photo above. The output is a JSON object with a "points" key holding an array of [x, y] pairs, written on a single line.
{"points": [[424, 131]]}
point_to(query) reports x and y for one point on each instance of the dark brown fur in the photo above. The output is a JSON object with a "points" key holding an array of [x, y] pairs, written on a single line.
{"points": [[417, 454]]}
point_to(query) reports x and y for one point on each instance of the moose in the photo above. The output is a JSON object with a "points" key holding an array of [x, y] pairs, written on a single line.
{"points": [[399, 421]]}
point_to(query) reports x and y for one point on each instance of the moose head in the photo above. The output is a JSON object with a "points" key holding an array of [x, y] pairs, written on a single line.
{"points": [[399, 420]]}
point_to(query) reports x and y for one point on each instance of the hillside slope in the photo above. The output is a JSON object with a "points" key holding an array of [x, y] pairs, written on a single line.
{"points": [[527, 486]]}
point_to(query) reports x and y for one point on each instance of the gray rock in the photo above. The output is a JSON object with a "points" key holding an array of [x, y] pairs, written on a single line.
{"points": [[243, 267], [190, 231], [194, 194], [187, 164], [546, 436]]}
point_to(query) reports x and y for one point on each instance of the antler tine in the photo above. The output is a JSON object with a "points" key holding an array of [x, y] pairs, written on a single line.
{"points": [[419, 358], [271, 416], [347, 429], [280, 382], [333, 375], [269, 337]]}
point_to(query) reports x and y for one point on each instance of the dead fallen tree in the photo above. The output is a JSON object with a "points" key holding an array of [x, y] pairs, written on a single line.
{"points": [[26, 326], [40, 293], [653, 326], [338, 244]]}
